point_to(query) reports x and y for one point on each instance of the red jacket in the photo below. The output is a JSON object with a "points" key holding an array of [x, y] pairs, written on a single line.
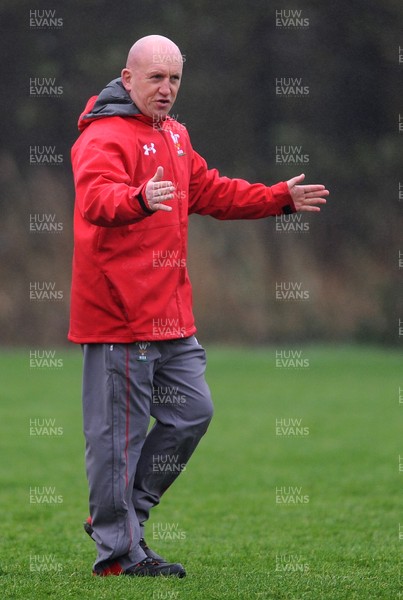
{"points": [[130, 281]]}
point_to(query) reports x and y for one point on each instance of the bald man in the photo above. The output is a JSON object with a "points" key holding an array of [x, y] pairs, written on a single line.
{"points": [[137, 180]]}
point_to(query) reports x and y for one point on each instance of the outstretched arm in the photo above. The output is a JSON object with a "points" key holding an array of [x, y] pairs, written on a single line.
{"points": [[306, 197], [232, 198]]}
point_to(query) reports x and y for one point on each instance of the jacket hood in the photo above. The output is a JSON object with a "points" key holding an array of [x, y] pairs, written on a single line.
{"points": [[113, 101]]}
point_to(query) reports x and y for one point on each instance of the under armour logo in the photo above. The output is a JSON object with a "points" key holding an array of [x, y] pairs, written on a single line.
{"points": [[148, 149]]}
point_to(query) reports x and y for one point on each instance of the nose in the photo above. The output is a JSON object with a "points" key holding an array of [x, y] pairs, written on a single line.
{"points": [[164, 89]]}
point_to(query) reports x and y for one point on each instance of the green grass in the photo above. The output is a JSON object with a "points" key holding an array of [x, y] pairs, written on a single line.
{"points": [[343, 543]]}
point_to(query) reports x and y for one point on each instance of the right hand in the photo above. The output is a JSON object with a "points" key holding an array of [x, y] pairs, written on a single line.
{"points": [[159, 191]]}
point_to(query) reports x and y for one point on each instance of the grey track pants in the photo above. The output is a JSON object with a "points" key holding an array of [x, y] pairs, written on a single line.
{"points": [[129, 469]]}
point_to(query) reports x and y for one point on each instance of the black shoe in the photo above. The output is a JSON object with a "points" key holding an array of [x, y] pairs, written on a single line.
{"points": [[143, 544], [145, 568], [150, 553], [88, 526], [152, 568]]}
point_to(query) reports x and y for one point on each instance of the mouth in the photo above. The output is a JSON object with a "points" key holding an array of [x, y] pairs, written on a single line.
{"points": [[162, 103]]}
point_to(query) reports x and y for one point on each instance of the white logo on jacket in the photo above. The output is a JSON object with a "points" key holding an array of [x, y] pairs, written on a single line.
{"points": [[150, 148], [175, 138]]}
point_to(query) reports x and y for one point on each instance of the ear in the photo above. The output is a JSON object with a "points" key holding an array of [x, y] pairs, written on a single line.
{"points": [[126, 76]]}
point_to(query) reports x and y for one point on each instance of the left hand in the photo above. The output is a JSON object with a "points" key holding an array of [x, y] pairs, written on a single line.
{"points": [[306, 197]]}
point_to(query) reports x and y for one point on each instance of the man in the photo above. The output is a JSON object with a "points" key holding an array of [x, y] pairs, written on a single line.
{"points": [[137, 179]]}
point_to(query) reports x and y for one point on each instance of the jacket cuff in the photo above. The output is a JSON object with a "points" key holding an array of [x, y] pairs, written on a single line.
{"points": [[143, 205], [141, 200], [282, 198]]}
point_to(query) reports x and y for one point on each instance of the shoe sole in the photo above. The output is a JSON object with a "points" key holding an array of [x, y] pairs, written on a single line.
{"points": [[117, 571], [161, 573]]}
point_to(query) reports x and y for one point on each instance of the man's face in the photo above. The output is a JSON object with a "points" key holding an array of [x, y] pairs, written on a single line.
{"points": [[153, 86]]}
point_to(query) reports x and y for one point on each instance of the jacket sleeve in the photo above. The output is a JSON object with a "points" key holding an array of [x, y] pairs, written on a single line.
{"points": [[224, 198], [104, 194]]}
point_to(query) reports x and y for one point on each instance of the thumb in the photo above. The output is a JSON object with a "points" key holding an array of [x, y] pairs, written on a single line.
{"points": [[295, 180], [159, 174]]}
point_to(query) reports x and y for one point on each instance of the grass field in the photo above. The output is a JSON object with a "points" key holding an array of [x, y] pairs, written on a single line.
{"points": [[294, 493]]}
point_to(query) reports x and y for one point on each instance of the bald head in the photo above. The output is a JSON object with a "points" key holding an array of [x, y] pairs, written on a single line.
{"points": [[153, 74], [156, 48]]}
